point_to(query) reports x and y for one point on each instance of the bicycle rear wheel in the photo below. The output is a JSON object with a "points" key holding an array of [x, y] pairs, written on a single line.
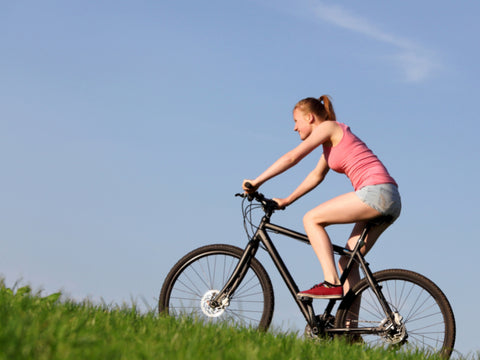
{"points": [[202, 273], [425, 319]]}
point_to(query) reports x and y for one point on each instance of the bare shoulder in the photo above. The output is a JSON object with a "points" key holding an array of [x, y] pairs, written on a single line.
{"points": [[330, 125], [331, 131]]}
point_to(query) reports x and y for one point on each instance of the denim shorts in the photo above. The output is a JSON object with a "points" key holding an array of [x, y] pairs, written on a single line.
{"points": [[384, 198]]}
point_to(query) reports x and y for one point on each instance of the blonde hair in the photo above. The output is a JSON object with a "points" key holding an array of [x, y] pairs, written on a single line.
{"points": [[322, 107]]}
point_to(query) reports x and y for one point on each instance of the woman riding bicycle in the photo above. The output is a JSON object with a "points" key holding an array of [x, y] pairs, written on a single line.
{"points": [[375, 191]]}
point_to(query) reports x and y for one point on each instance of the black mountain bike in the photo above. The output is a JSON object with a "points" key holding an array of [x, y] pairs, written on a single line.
{"points": [[390, 308]]}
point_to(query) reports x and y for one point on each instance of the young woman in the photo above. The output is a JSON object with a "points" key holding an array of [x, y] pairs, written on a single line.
{"points": [[375, 191]]}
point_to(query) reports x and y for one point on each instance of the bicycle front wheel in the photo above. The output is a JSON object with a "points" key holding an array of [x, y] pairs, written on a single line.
{"points": [[423, 316], [202, 273]]}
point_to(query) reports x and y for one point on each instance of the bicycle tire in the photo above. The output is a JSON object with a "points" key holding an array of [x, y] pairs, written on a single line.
{"points": [[200, 274], [428, 318]]}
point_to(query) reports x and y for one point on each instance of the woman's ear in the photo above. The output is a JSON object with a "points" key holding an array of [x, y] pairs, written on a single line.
{"points": [[310, 118]]}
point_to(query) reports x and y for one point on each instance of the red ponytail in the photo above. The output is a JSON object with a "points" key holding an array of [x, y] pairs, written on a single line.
{"points": [[322, 107]]}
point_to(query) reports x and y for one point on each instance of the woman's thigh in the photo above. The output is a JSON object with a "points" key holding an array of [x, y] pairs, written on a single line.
{"points": [[343, 209]]}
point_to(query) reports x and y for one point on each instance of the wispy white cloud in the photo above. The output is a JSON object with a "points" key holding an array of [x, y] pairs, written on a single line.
{"points": [[416, 62]]}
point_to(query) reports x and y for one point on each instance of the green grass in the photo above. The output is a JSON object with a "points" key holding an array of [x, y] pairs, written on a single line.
{"points": [[47, 327]]}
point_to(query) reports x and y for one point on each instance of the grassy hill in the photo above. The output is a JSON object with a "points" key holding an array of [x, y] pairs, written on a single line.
{"points": [[47, 327]]}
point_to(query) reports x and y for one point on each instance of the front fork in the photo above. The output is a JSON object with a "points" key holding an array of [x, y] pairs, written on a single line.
{"points": [[222, 298], [224, 295]]}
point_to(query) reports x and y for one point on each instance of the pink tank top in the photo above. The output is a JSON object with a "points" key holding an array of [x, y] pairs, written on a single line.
{"points": [[353, 158]]}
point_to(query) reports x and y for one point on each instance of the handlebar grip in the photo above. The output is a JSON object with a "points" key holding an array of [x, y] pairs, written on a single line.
{"points": [[248, 185]]}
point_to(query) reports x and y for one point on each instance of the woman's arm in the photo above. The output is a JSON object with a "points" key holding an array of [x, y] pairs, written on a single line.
{"points": [[319, 135], [311, 181]]}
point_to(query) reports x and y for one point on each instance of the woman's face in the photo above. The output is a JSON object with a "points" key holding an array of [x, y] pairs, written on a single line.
{"points": [[302, 123]]}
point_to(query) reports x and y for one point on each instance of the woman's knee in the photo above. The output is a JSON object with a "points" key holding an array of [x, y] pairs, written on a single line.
{"points": [[313, 218]]}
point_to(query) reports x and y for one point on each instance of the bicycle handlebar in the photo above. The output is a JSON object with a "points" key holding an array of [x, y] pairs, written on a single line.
{"points": [[268, 204]]}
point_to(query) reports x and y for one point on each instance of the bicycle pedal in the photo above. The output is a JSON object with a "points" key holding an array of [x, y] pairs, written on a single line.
{"points": [[305, 299]]}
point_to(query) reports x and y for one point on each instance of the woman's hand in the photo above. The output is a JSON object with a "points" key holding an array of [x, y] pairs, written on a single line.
{"points": [[282, 203], [250, 189]]}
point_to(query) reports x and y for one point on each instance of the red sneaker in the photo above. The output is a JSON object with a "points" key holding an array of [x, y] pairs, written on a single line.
{"points": [[324, 290]]}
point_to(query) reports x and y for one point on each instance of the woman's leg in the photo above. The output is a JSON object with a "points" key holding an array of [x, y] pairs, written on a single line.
{"points": [[372, 236], [344, 209], [354, 275]]}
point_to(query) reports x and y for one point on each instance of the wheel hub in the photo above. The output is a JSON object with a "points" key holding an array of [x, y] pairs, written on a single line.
{"points": [[206, 304], [395, 333]]}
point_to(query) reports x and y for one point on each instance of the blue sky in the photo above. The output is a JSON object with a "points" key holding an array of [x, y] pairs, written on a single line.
{"points": [[126, 127]]}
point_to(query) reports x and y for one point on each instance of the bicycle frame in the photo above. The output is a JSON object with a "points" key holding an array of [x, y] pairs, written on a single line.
{"points": [[306, 306]]}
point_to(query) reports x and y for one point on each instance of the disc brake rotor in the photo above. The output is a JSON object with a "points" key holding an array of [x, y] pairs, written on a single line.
{"points": [[209, 310], [395, 334]]}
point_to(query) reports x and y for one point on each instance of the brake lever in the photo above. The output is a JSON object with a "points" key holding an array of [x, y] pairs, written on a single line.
{"points": [[250, 197]]}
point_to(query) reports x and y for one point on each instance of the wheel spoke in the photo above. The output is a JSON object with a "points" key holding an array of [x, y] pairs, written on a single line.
{"points": [[425, 317], [200, 279]]}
